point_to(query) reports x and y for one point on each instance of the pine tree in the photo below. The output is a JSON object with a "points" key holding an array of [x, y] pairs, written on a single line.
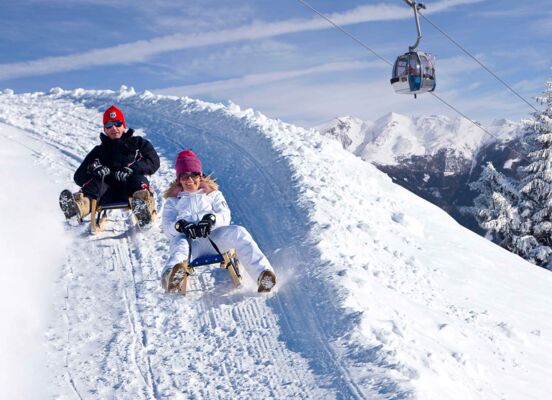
{"points": [[536, 186], [495, 208], [518, 214]]}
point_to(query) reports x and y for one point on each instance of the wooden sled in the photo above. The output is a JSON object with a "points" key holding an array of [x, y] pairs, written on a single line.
{"points": [[228, 260], [98, 213]]}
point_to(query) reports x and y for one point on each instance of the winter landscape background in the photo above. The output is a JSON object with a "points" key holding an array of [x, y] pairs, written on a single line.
{"points": [[435, 157], [380, 294]]}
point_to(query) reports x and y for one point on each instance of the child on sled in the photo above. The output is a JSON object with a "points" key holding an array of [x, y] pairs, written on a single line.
{"points": [[196, 211]]}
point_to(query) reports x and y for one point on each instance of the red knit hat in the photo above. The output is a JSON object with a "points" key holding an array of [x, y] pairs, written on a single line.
{"points": [[186, 162], [114, 114]]}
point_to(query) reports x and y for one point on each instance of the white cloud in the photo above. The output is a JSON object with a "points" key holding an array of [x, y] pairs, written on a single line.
{"points": [[203, 18], [142, 50], [223, 86]]}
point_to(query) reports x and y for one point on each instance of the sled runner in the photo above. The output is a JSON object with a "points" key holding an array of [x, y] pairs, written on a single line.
{"points": [[177, 280], [98, 213]]}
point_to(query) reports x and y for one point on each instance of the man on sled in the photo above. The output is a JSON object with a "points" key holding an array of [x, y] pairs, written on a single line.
{"points": [[114, 171]]}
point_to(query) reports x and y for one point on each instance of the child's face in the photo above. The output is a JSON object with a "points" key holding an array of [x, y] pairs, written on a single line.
{"points": [[190, 182]]}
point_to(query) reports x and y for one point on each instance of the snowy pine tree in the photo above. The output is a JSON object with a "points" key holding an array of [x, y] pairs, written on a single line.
{"points": [[518, 214], [495, 208], [536, 187]]}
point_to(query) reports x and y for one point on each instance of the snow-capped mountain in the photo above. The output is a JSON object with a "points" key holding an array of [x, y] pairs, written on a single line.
{"points": [[433, 156], [380, 294], [395, 137], [350, 131]]}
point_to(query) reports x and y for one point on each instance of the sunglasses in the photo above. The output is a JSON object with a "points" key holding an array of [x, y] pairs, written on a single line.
{"points": [[109, 124], [189, 175]]}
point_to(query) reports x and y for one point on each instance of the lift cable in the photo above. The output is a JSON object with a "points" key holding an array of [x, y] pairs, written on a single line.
{"points": [[389, 63], [479, 62], [345, 32]]}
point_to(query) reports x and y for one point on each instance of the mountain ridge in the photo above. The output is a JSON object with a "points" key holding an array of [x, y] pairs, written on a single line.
{"points": [[435, 157]]}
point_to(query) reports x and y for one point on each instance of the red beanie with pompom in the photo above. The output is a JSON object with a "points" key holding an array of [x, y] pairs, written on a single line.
{"points": [[187, 162], [113, 114]]}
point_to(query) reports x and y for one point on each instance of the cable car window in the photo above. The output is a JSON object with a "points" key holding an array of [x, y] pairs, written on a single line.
{"points": [[414, 64], [431, 66], [400, 67], [428, 67]]}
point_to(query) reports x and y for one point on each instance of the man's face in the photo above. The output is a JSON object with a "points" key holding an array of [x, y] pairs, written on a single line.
{"points": [[114, 129]]}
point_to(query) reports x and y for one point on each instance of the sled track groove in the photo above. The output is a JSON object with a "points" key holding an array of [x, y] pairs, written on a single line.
{"points": [[66, 317], [129, 348], [238, 332], [120, 367], [135, 319]]}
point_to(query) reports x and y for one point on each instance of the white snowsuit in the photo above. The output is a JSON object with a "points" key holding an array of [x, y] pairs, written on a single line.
{"points": [[192, 207]]}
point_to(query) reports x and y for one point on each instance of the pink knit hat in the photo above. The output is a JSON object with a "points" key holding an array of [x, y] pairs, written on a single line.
{"points": [[186, 162]]}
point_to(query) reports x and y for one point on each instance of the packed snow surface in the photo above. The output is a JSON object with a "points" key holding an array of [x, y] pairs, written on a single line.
{"points": [[380, 295]]}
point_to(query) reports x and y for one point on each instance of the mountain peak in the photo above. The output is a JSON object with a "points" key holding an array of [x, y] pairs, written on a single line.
{"points": [[396, 136]]}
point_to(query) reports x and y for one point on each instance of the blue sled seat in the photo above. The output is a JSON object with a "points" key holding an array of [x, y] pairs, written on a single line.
{"points": [[206, 260]]}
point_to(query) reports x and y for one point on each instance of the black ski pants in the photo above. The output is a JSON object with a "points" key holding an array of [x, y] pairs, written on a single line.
{"points": [[111, 190]]}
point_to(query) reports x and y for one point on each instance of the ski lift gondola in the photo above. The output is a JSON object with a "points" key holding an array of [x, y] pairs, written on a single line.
{"points": [[414, 72]]}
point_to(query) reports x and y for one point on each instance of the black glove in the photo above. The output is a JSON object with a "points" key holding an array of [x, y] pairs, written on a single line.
{"points": [[187, 228], [204, 226], [123, 174], [100, 171]]}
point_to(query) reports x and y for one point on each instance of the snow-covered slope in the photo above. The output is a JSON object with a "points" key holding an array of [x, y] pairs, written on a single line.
{"points": [[394, 136], [381, 295]]}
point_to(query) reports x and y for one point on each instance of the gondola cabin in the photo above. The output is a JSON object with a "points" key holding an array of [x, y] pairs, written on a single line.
{"points": [[414, 73]]}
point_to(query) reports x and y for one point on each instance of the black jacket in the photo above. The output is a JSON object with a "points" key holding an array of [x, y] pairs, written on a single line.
{"points": [[130, 151]]}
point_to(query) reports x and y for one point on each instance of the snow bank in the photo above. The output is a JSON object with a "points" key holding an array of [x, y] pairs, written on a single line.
{"points": [[33, 249]]}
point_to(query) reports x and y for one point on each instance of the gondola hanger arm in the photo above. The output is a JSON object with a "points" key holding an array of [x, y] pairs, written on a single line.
{"points": [[416, 7]]}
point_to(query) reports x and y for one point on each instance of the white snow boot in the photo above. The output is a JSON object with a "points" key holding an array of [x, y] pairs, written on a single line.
{"points": [[266, 281]]}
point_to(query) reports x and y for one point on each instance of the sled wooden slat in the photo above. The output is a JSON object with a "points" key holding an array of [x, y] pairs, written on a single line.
{"points": [[233, 266], [234, 275], [184, 284], [228, 260]]}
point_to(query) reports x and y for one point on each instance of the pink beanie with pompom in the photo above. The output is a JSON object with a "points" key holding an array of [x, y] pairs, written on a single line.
{"points": [[187, 162]]}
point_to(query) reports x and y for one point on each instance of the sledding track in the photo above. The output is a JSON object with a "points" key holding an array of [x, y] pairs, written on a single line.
{"points": [[122, 337], [138, 343]]}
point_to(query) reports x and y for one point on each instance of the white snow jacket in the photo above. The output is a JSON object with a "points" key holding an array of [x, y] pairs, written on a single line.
{"points": [[192, 207]]}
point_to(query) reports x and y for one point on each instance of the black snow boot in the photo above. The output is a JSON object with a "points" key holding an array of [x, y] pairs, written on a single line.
{"points": [[68, 204]]}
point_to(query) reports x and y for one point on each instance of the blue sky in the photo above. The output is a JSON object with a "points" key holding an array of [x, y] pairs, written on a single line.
{"points": [[278, 57]]}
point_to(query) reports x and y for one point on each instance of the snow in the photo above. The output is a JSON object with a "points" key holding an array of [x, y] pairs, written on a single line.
{"points": [[380, 295], [33, 247], [395, 136]]}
